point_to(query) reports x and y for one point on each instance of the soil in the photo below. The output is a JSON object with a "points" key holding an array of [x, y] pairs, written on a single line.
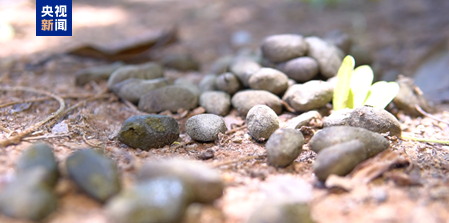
{"points": [[408, 183]]}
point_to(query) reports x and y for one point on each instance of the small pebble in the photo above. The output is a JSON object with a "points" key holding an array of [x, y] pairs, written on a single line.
{"points": [[205, 127], [283, 47], [339, 159], [39, 155], [195, 175], [60, 128], [149, 131], [262, 121], [269, 79], [162, 199], [374, 143], [338, 118], [328, 56], [208, 83], [96, 74], [308, 96], [303, 120], [221, 65], [170, 98], [27, 197], [206, 154], [216, 102], [182, 82], [133, 88], [300, 69], [181, 62], [243, 68], [243, 101], [143, 71], [376, 120], [94, 173], [228, 83], [409, 96], [284, 146]]}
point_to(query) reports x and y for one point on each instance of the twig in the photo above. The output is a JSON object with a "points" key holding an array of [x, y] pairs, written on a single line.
{"points": [[90, 143], [45, 137], [177, 145], [426, 140], [16, 139], [287, 106], [43, 99], [237, 160], [429, 115], [236, 129]]}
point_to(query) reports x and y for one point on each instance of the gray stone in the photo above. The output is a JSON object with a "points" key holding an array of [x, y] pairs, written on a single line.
{"points": [[208, 83], [300, 69], [28, 197], [221, 65], [170, 98], [376, 120], [282, 212], [205, 127], [149, 131], [310, 95], [39, 155], [283, 47], [410, 96], [181, 62], [143, 71], [374, 143], [216, 102], [182, 82], [338, 118], [339, 159], [228, 83], [196, 176], [96, 74], [243, 68], [328, 56], [133, 88], [340, 39], [269, 79], [243, 101], [284, 146], [94, 173], [303, 120], [162, 199], [262, 121]]}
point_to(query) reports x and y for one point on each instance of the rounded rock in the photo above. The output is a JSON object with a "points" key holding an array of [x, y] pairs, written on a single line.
{"points": [[300, 69], [132, 89], [96, 74], [284, 146], [208, 83], [216, 102], [283, 47], [149, 131], [94, 173], [328, 56], [221, 65], [228, 83], [243, 68], [269, 79], [143, 71], [182, 82], [205, 127], [181, 62], [376, 120], [262, 121], [308, 96], [170, 98], [243, 101]]}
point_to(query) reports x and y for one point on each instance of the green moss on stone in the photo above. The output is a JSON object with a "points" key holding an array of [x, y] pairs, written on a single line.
{"points": [[155, 124]]}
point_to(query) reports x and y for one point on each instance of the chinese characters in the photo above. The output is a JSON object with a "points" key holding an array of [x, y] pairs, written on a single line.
{"points": [[60, 24]]}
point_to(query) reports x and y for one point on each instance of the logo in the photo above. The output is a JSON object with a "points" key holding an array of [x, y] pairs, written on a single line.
{"points": [[53, 17]]}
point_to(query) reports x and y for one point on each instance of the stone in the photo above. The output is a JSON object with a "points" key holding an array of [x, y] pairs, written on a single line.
{"points": [[300, 69], [410, 96], [284, 146], [340, 39], [181, 62], [182, 82], [374, 143], [328, 56], [149, 131], [243, 68], [283, 47], [205, 127], [94, 173], [216, 102], [149, 70], [308, 96], [228, 83], [282, 212], [338, 118], [376, 120], [39, 155], [262, 121], [208, 83], [221, 65], [196, 176], [133, 88], [162, 199], [269, 79], [96, 74], [243, 101], [303, 119], [28, 196], [339, 159], [170, 98]]}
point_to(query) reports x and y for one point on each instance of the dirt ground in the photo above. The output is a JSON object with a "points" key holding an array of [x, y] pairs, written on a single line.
{"points": [[408, 183]]}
